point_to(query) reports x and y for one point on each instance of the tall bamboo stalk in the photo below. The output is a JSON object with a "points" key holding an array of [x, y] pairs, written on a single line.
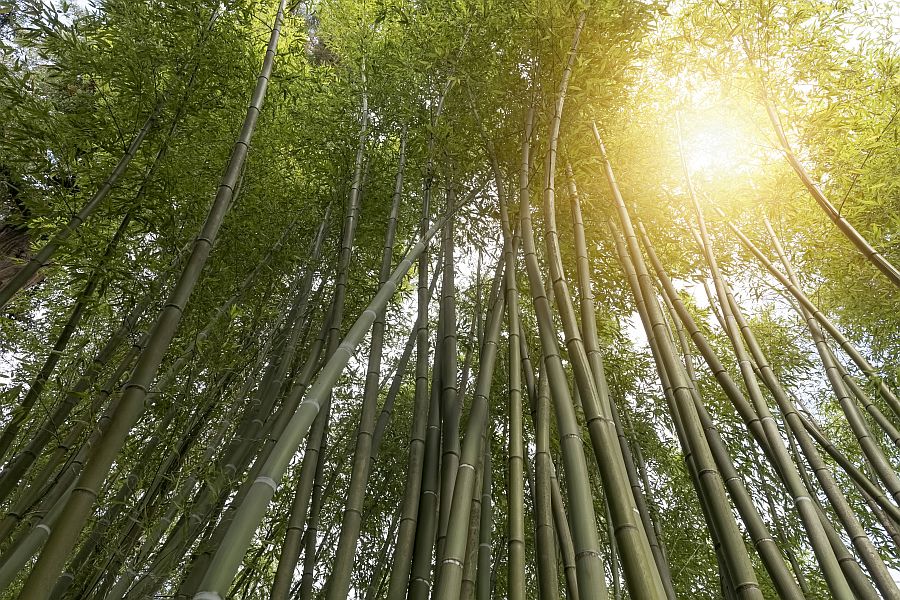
{"points": [[450, 401], [788, 471], [62, 341], [860, 479], [589, 562], [867, 551], [739, 567], [516, 447], [406, 534], [291, 544], [545, 537], [226, 560], [860, 430], [426, 525], [339, 583], [854, 577], [642, 575], [641, 302], [762, 538], [450, 574], [233, 457], [266, 428], [49, 565], [486, 573], [397, 380], [472, 573], [308, 498]]}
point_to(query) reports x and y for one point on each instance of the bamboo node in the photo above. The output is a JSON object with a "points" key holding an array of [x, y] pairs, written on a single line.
{"points": [[267, 481]]}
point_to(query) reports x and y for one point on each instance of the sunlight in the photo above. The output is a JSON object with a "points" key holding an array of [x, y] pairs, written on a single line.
{"points": [[715, 145], [710, 147], [718, 135]]}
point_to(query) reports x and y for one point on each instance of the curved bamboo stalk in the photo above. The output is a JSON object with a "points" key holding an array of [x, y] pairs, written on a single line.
{"points": [[630, 534], [860, 429], [589, 563], [856, 238], [826, 354], [863, 398], [825, 556], [739, 567], [858, 536], [668, 393], [849, 567], [763, 540], [856, 475]]}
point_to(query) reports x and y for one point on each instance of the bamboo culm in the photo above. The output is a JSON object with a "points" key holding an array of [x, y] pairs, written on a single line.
{"points": [[589, 562], [227, 558], [471, 451], [788, 471], [339, 582], [743, 578], [50, 563], [406, 534]]}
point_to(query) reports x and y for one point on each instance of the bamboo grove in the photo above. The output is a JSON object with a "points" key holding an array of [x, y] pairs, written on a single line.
{"points": [[406, 300]]}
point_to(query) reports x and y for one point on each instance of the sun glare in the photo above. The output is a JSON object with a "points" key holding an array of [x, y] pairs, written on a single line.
{"points": [[716, 146]]}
